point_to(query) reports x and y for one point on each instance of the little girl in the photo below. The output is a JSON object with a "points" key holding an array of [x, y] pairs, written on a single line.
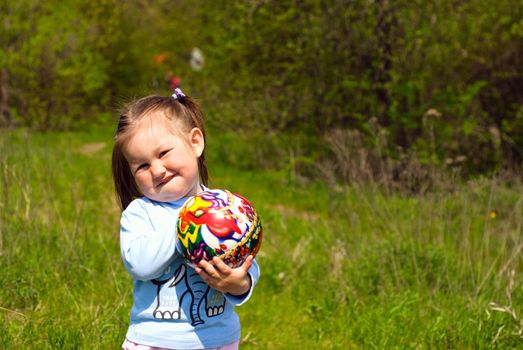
{"points": [[158, 163]]}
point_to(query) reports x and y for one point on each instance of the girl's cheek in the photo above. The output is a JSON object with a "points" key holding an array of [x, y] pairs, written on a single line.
{"points": [[140, 178]]}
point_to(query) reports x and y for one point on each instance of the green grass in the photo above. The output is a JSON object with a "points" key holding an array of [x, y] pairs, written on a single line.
{"points": [[351, 268]]}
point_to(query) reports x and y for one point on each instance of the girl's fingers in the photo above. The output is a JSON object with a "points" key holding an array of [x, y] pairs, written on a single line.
{"points": [[201, 272], [204, 275], [247, 263], [207, 268], [222, 267], [217, 268]]}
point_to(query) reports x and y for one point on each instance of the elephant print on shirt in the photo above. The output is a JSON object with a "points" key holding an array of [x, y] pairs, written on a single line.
{"points": [[186, 283]]}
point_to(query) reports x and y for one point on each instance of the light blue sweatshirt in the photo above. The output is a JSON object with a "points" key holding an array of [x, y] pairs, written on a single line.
{"points": [[173, 307]]}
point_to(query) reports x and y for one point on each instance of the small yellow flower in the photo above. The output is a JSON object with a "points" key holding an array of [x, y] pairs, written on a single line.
{"points": [[493, 214]]}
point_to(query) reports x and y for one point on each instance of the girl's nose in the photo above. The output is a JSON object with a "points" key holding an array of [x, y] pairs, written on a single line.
{"points": [[157, 170]]}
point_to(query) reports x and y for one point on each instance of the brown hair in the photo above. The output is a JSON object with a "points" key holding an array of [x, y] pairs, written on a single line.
{"points": [[183, 109]]}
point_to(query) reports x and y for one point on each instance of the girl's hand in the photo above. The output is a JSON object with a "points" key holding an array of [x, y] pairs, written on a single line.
{"points": [[221, 277]]}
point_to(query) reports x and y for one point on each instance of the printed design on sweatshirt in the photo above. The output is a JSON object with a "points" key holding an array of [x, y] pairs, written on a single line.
{"points": [[186, 283]]}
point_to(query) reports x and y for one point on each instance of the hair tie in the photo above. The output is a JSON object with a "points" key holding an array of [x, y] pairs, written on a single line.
{"points": [[178, 94]]}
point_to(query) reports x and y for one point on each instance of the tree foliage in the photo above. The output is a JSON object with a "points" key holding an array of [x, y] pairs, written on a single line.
{"points": [[56, 60], [441, 78]]}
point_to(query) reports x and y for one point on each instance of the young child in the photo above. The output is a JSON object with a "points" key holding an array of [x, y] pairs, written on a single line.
{"points": [[158, 163]]}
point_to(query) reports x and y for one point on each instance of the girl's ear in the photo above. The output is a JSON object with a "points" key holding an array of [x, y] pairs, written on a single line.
{"points": [[197, 141]]}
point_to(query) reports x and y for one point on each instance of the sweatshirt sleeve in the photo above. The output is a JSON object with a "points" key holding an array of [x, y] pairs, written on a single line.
{"points": [[254, 273], [147, 249]]}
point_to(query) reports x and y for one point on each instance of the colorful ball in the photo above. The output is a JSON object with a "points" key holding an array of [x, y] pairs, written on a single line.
{"points": [[218, 223]]}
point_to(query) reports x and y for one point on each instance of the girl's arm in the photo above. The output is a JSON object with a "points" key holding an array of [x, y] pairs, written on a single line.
{"points": [[146, 250]]}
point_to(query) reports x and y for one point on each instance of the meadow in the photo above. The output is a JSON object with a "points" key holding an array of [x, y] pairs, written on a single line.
{"points": [[343, 267]]}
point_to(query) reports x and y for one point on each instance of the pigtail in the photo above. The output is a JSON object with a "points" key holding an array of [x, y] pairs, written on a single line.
{"points": [[125, 186], [194, 117]]}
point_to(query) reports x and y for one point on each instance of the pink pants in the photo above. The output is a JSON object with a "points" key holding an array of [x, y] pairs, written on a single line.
{"points": [[129, 345]]}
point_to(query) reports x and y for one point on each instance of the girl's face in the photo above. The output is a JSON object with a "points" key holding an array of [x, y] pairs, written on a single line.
{"points": [[163, 163]]}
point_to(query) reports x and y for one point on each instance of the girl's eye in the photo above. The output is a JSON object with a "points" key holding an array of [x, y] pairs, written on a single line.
{"points": [[164, 153], [141, 167]]}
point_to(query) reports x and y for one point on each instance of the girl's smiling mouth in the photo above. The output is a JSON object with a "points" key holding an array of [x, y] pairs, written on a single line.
{"points": [[165, 180]]}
